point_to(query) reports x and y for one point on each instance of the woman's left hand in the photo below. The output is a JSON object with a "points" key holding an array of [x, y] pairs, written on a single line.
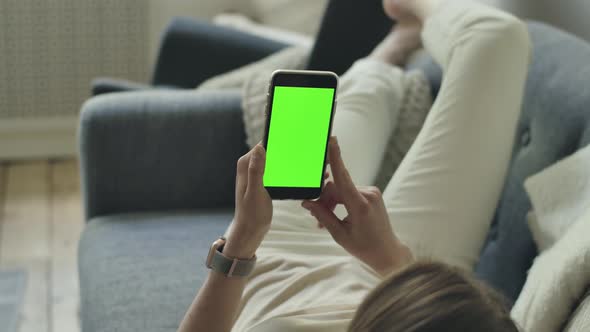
{"points": [[253, 207]]}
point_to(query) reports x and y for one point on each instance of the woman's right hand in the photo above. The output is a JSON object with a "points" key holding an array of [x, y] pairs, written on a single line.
{"points": [[365, 232]]}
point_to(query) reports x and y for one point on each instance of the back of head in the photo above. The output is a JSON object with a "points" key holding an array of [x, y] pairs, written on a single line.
{"points": [[428, 297]]}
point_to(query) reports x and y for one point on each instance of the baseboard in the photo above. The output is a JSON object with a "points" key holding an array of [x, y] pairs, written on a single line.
{"points": [[38, 138]]}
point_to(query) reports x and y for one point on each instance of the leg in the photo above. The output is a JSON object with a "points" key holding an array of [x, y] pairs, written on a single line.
{"points": [[443, 196]]}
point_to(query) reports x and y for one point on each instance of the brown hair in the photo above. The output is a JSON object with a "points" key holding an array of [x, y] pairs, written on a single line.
{"points": [[428, 297]]}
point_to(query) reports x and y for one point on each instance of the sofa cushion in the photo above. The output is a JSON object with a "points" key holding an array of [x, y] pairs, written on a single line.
{"points": [[140, 272]]}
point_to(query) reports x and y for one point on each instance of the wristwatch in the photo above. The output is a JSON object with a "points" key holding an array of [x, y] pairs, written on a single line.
{"points": [[227, 266]]}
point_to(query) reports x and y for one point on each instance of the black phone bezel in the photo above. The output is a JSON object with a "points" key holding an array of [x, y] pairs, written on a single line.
{"points": [[312, 79]]}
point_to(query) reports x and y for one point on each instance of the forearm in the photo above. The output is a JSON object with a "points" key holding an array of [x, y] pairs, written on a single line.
{"points": [[215, 306]]}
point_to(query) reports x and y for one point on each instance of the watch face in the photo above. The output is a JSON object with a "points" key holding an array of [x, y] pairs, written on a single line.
{"points": [[214, 247]]}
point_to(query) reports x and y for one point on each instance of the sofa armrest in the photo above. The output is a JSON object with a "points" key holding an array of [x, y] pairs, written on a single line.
{"points": [[192, 51], [160, 150], [104, 85]]}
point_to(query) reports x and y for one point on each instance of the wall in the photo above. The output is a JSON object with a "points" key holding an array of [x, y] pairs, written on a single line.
{"points": [[50, 50], [49, 53]]}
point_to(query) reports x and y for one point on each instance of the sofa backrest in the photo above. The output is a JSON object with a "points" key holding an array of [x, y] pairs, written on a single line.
{"points": [[555, 122]]}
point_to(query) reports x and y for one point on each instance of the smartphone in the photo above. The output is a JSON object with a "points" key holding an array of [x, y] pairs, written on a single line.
{"points": [[300, 111]]}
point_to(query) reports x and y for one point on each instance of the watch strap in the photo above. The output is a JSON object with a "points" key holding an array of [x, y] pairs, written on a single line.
{"points": [[232, 266]]}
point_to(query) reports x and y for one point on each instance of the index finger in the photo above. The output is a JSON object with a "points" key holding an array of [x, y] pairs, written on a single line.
{"points": [[348, 191], [242, 173]]}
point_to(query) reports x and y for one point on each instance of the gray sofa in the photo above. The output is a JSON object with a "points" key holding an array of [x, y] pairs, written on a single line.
{"points": [[158, 172]]}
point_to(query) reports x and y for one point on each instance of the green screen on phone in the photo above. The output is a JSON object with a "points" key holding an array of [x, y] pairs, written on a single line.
{"points": [[297, 137]]}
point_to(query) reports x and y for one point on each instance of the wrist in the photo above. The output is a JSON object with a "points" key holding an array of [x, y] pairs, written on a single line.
{"points": [[241, 244], [235, 249], [243, 239], [399, 257]]}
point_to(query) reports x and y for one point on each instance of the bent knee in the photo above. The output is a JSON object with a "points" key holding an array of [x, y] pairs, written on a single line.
{"points": [[509, 30], [503, 32]]}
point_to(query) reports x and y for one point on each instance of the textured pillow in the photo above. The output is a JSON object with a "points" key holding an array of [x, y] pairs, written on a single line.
{"points": [[415, 106]]}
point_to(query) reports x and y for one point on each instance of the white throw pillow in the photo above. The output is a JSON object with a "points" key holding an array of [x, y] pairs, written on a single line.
{"points": [[303, 16], [560, 276], [559, 195], [556, 282], [245, 24]]}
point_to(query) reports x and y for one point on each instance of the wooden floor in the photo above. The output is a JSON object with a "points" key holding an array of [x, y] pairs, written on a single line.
{"points": [[40, 223]]}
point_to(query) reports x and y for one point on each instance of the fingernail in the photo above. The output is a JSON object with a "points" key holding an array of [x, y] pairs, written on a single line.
{"points": [[334, 141], [254, 158], [305, 205]]}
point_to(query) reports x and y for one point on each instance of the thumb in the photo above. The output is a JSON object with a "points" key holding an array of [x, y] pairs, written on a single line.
{"points": [[256, 168], [324, 216]]}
